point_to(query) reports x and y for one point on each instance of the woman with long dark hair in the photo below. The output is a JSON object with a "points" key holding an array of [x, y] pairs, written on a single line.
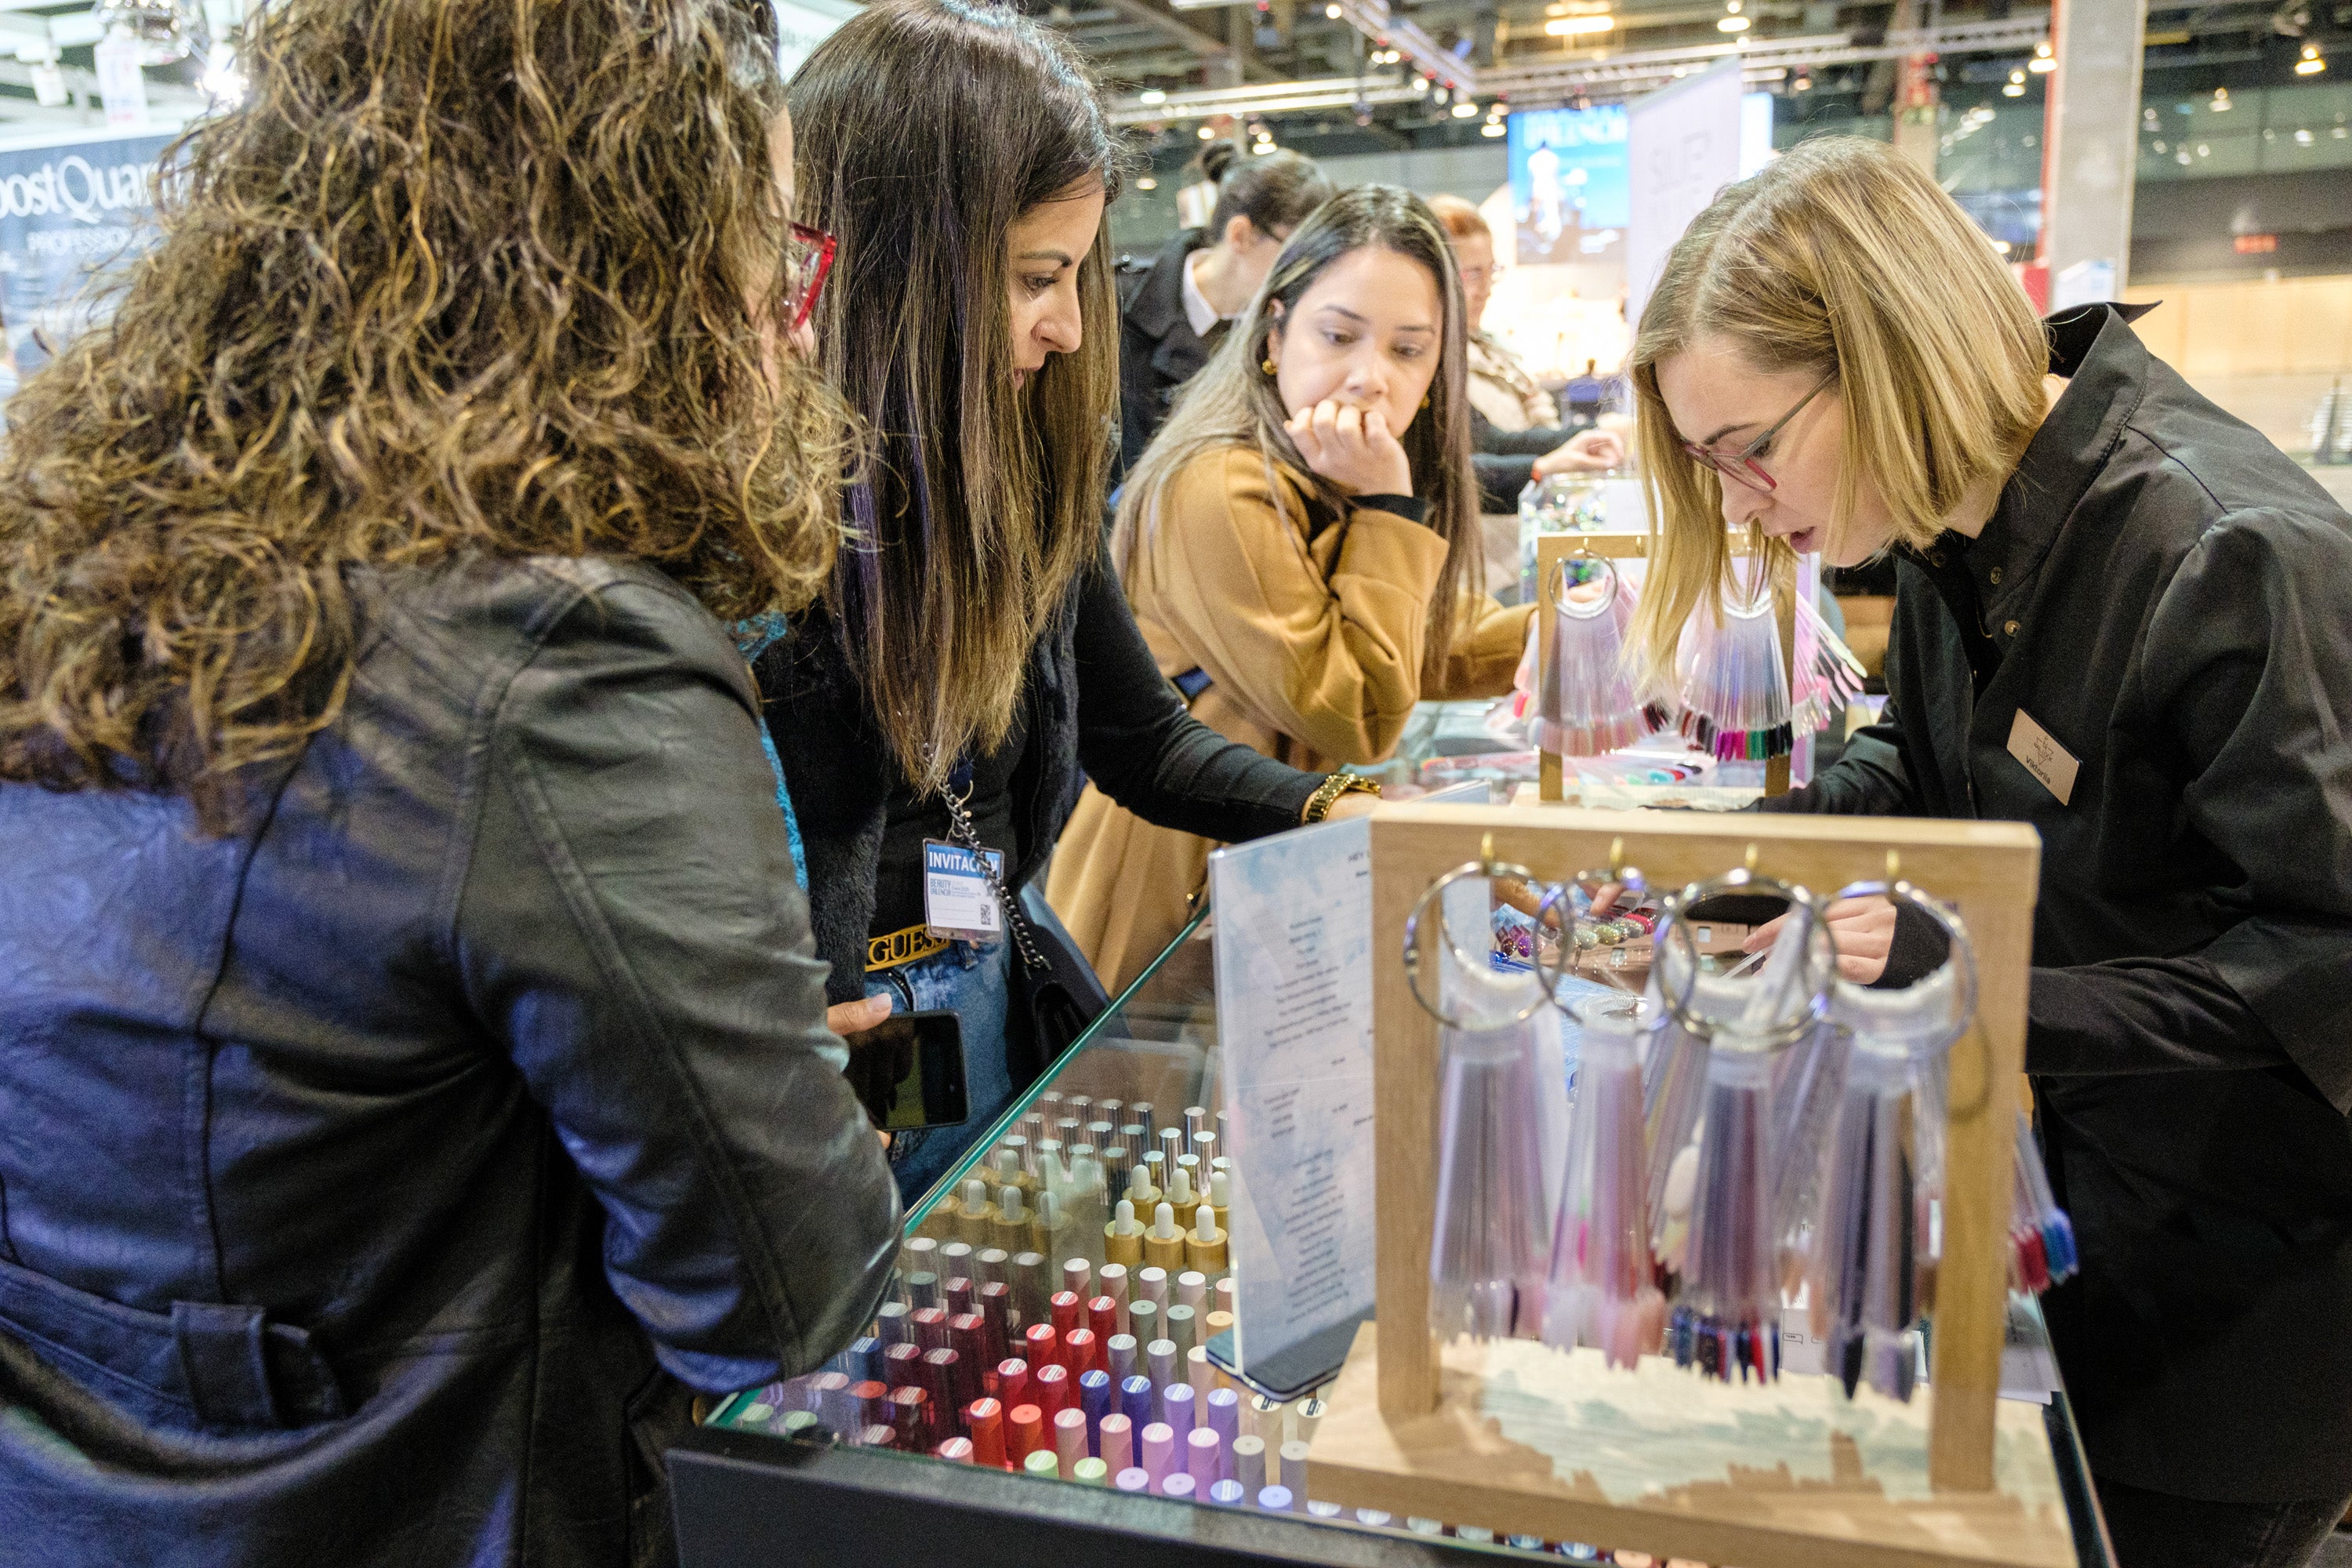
{"points": [[971, 652], [415, 1065], [1300, 544]]}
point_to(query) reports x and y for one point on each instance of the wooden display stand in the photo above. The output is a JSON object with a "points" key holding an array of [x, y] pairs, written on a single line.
{"points": [[1551, 549], [1517, 1437]]}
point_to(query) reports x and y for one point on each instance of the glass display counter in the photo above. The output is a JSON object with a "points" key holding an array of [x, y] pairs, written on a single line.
{"points": [[980, 1285]]}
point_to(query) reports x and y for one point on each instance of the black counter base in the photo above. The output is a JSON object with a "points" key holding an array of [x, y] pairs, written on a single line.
{"points": [[741, 1497]]}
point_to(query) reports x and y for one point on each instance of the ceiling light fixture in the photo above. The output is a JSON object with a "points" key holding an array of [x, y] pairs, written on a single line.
{"points": [[2311, 64], [165, 30], [222, 82], [1732, 25], [1575, 27], [2042, 60]]}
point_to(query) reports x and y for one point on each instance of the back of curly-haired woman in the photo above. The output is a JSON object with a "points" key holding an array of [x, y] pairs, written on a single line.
{"points": [[414, 1060]]}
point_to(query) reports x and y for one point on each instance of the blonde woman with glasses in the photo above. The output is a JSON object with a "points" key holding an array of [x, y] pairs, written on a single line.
{"points": [[2125, 618]]}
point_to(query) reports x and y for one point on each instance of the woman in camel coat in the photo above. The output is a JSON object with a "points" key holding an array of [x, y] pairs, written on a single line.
{"points": [[1299, 545]]}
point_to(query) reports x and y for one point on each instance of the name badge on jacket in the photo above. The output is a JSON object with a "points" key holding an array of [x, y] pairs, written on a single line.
{"points": [[2043, 757]]}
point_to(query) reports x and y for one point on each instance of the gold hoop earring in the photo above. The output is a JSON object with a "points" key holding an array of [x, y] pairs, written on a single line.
{"points": [[1266, 365], [1424, 400]]}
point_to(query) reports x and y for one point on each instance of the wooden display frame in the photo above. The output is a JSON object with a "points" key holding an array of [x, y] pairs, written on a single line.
{"points": [[1411, 1428], [1551, 549]]}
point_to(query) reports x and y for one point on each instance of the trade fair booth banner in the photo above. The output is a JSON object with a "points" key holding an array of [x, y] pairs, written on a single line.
{"points": [[1683, 146], [1569, 193], [1565, 223], [70, 212]]}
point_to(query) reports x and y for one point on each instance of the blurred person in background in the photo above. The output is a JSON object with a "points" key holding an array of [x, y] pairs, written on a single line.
{"points": [[416, 1072], [1589, 393], [1517, 433], [1172, 316], [1300, 545]]}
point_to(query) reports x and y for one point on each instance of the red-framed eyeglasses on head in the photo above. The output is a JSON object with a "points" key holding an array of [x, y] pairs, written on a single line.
{"points": [[1747, 464], [808, 255]]}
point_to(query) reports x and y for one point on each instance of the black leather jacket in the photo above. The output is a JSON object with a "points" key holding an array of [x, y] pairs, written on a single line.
{"points": [[371, 1178]]}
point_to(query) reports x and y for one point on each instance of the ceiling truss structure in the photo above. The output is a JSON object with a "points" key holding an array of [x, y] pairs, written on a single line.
{"points": [[1593, 75], [1274, 97], [1632, 72]]}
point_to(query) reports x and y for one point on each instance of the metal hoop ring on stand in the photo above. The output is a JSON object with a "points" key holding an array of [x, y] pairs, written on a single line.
{"points": [[1962, 958], [1821, 956], [1429, 904], [1601, 607], [1628, 877]]}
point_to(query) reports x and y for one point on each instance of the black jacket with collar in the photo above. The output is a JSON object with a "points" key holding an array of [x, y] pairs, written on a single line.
{"points": [[1095, 701], [371, 1174], [1157, 349], [2170, 597]]}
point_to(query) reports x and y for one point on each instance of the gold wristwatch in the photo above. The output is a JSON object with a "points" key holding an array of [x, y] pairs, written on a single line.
{"points": [[1319, 805]]}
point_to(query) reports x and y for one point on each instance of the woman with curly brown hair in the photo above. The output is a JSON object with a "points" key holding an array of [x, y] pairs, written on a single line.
{"points": [[415, 1065]]}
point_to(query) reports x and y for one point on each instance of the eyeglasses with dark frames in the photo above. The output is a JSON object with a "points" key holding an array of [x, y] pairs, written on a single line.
{"points": [[809, 254], [1746, 465]]}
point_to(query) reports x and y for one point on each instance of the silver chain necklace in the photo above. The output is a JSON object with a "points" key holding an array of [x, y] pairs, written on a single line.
{"points": [[961, 829]]}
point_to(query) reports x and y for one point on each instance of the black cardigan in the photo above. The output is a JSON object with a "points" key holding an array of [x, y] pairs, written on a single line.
{"points": [[1505, 460], [1097, 702]]}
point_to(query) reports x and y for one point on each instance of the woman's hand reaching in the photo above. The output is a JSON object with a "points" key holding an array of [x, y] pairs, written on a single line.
{"points": [[1586, 452], [1862, 929]]}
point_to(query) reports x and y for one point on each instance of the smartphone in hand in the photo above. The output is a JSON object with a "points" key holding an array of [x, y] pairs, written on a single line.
{"points": [[908, 1072]]}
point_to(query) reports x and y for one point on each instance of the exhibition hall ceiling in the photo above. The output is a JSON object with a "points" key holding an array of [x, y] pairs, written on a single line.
{"points": [[1541, 52]]}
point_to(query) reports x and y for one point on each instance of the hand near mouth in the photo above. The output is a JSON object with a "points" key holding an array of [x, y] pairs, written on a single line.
{"points": [[1352, 447]]}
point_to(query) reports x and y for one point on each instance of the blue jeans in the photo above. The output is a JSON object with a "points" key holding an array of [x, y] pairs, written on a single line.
{"points": [[973, 982]]}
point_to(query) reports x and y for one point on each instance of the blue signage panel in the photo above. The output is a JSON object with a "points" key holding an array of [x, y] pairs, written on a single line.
{"points": [[69, 213], [1569, 193]]}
